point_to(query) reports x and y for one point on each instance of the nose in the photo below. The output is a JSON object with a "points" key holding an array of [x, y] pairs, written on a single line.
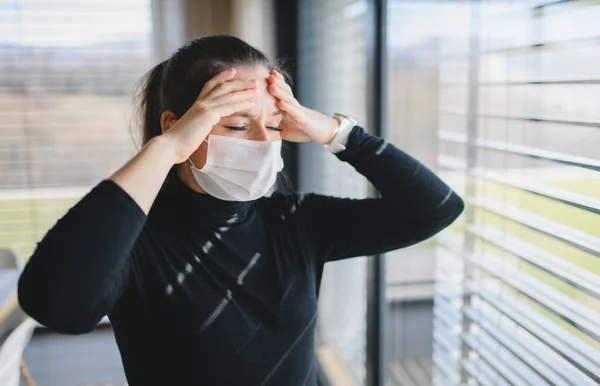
{"points": [[260, 133]]}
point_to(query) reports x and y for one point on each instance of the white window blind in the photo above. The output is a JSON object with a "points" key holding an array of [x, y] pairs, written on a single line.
{"points": [[67, 71], [518, 299]]}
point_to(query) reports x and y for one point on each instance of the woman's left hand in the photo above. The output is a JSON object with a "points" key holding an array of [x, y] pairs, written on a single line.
{"points": [[299, 124]]}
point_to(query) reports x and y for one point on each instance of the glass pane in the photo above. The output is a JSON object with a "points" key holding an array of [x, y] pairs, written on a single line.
{"points": [[427, 80], [66, 86], [332, 78], [500, 97]]}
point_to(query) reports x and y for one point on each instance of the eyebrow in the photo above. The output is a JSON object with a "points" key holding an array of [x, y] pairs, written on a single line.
{"points": [[246, 115]]}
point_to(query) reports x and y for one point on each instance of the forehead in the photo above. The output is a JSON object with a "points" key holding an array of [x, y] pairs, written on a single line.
{"points": [[264, 100], [252, 72]]}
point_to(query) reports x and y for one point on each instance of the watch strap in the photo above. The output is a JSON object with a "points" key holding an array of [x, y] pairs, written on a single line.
{"points": [[340, 141]]}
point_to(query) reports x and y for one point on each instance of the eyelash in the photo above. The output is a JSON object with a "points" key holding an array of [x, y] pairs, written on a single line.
{"points": [[245, 128]]}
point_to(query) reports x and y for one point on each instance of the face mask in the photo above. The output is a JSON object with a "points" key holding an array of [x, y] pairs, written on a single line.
{"points": [[239, 169]]}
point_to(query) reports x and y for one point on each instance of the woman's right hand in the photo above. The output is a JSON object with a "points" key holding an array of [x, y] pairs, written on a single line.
{"points": [[220, 97]]}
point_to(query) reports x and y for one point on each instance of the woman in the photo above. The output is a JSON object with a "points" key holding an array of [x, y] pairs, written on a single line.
{"points": [[205, 281]]}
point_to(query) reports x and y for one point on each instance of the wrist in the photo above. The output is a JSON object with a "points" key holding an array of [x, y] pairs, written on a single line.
{"points": [[340, 139], [163, 148], [332, 129]]}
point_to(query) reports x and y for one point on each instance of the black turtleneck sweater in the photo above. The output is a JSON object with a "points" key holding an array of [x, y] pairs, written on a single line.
{"points": [[208, 292]]}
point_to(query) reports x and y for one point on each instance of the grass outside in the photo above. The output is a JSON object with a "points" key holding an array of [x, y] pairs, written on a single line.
{"points": [[552, 210], [23, 222], [58, 139]]}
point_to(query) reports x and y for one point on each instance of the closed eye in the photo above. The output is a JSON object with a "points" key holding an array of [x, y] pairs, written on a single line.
{"points": [[237, 128], [245, 128]]}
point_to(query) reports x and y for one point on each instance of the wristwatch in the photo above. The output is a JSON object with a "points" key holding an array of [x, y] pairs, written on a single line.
{"points": [[340, 139]]}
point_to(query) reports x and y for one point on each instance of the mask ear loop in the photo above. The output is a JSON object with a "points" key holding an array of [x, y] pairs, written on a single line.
{"points": [[189, 159]]}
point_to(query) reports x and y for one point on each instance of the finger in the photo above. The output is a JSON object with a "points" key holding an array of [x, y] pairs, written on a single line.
{"points": [[235, 96], [292, 109], [280, 83], [216, 80], [282, 80], [279, 93], [230, 87], [278, 75], [227, 109]]}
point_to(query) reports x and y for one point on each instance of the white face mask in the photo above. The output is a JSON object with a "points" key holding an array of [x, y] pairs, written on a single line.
{"points": [[239, 169]]}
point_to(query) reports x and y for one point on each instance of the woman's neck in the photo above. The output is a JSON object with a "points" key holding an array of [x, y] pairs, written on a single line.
{"points": [[184, 172], [183, 201]]}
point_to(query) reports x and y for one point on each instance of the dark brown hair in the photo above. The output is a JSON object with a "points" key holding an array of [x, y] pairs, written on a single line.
{"points": [[175, 83]]}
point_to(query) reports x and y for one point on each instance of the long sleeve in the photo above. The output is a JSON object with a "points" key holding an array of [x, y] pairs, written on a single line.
{"points": [[81, 267], [415, 204]]}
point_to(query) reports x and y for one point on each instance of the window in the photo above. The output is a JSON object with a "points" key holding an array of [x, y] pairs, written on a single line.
{"points": [[500, 97], [67, 71], [332, 78]]}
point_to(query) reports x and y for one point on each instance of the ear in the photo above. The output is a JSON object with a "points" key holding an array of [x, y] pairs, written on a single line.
{"points": [[167, 119]]}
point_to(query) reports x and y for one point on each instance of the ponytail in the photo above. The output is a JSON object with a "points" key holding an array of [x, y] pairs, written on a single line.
{"points": [[150, 106]]}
